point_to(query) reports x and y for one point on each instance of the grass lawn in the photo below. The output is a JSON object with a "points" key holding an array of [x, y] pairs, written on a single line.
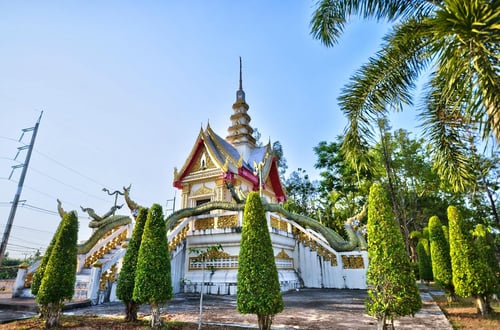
{"points": [[95, 322]]}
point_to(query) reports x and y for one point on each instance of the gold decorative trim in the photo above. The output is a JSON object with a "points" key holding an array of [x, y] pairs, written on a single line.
{"points": [[107, 277], [353, 262], [203, 224], [117, 241], [279, 224], [283, 255], [178, 239], [330, 256], [28, 279], [227, 221], [203, 190]]}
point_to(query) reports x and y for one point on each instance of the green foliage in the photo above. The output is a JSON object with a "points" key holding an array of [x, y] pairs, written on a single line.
{"points": [[471, 274], [342, 189], [126, 279], [9, 267], [424, 260], [38, 276], [393, 291], [58, 282], [485, 245], [153, 280], [259, 289], [440, 255], [459, 39], [301, 193], [425, 233]]}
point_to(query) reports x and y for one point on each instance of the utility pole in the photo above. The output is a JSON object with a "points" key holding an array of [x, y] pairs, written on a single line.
{"points": [[173, 205], [13, 209]]}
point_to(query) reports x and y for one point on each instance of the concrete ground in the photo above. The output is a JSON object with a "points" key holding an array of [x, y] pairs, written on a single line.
{"points": [[304, 309]]}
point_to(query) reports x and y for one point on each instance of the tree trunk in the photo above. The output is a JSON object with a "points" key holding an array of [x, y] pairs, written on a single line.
{"points": [[492, 201], [481, 306], [265, 321], [52, 313], [381, 325], [156, 321], [131, 311]]}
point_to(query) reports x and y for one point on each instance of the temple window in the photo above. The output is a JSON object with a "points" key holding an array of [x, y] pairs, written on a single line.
{"points": [[202, 201]]}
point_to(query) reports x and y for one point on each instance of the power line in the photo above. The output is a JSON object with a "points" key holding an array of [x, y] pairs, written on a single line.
{"points": [[70, 169], [28, 228], [26, 241], [68, 185]]}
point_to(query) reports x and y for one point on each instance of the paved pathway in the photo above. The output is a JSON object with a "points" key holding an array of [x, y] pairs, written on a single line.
{"points": [[304, 309]]}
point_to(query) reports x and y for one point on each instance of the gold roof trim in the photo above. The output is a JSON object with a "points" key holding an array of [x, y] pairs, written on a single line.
{"points": [[204, 190]]}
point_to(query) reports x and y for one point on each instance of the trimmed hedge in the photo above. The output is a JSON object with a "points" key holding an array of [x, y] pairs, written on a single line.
{"points": [[393, 290], [259, 290]]}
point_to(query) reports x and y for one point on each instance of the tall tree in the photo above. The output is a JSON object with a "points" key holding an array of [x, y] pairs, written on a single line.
{"points": [[259, 289], [278, 152], [471, 274], [440, 256], [343, 191], [393, 289], [126, 279], [458, 40], [58, 282], [301, 193], [153, 279]]}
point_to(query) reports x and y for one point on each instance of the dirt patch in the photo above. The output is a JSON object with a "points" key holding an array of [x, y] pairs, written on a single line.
{"points": [[463, 315]]}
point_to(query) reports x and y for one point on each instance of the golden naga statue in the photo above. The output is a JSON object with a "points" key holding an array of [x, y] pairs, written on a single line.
{"points": [[96, 217], [60, 210], [133, 206]]}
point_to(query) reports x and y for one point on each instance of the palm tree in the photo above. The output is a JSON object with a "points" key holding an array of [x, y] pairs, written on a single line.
{"points": [[453, 44]]}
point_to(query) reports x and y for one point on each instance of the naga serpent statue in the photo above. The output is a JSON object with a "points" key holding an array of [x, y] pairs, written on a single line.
{"points": [[99, 221], [355, 239], [337, 242]]}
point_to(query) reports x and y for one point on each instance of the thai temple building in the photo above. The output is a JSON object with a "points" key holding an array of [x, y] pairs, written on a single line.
{"points": [[214, 180]]}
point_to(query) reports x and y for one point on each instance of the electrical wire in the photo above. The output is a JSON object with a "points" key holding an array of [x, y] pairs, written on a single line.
{"points": [[70, 169], [28, 228], [68, 185]]}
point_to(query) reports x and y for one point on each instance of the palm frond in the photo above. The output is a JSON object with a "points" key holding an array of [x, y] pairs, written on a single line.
{"points": [[330, 16], [446, 128], [387, 80], [466, 35]]}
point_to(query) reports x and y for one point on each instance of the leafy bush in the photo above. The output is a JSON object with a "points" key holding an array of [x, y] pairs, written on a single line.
{"points": [[440, 256], [393, 291], [258, 290], [153, 279], [471, 274], [126, 279], [58, 282]]}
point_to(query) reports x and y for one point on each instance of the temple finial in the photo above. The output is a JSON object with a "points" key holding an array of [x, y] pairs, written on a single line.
{"points": [[240, 94], [241, 79]]}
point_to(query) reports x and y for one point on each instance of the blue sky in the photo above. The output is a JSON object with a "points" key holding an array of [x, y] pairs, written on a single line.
{"points": [[126, 85]]}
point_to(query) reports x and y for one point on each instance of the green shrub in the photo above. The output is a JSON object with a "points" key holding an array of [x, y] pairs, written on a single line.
{"points": [[126, 279], [58, 282], [258, 290], [485, 245], [393, 291], [440, 256], [153, 279], [424, 260], [37, 277], [471, 274]]}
